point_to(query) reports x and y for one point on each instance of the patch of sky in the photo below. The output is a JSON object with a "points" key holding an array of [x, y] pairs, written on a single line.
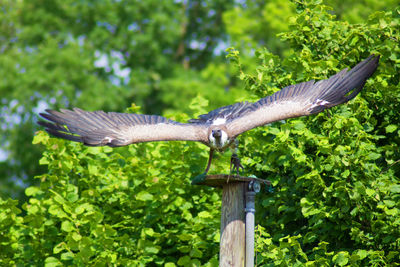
{"points": [[114, 62]]}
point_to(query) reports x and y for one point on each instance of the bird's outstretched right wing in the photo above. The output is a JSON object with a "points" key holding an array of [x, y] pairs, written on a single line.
{"points": [[304, 98], [118, 129]]}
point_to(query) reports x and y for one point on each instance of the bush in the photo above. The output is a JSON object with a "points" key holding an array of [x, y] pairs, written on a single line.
{"points": [[336, 174]]}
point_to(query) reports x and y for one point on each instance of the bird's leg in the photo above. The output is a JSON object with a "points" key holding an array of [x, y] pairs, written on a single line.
{"points": [[235, 161], [209, 160]]}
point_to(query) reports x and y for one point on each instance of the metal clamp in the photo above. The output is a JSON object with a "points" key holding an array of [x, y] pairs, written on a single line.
{"points": [[254, 186], [250, 210]]}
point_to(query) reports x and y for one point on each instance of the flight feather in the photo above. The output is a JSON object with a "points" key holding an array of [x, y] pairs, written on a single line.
{"points": [[305, 98], [100, 128]]}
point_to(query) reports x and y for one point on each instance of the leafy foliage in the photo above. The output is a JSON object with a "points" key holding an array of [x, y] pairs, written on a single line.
{"points": [[336, 171], [100, 55], [98, 206], [336, 174]]}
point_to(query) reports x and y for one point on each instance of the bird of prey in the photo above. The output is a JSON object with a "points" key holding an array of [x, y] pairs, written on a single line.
{"points": [[217, 129]]}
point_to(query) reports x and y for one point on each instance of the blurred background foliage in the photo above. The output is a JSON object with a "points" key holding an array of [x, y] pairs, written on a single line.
{"points": [[336, 174]]}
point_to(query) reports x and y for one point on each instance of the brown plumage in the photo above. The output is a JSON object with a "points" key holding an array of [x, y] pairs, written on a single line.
{"points": [[219, 128]]}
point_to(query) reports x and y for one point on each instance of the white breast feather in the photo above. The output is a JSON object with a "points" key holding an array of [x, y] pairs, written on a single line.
{"points": [[224, 140]]}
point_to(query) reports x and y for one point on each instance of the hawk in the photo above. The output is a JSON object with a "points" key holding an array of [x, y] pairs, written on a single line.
{"points": [[217, 129]]}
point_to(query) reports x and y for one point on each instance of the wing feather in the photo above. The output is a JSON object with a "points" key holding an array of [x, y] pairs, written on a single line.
{"points": [[99, 128], [305, 98]]}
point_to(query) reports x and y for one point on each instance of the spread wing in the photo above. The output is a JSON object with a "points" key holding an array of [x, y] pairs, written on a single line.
{"points": [[118, 129], [301, 99]]}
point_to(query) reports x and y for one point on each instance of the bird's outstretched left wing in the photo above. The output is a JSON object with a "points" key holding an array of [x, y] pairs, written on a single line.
{"points": [[304, 98], [118, 129]]}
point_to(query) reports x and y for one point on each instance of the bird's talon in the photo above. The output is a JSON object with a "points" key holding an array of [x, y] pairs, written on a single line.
{"points": [[235, 164]]}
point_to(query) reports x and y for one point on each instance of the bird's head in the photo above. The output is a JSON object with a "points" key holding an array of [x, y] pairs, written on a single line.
{"points": [[217, 133], [218, 139]]}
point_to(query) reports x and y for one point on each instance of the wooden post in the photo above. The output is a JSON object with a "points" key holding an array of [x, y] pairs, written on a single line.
{"points": [[232, 244], [232, 249]]}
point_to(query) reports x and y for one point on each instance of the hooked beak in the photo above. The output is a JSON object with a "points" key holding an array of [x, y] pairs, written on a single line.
{"points": [[217, 134]]}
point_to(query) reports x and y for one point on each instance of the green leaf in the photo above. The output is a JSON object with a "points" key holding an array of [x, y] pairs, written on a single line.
{"points": [[76, 236], [204, 214], [196, 253], [144, 196], [94, 150], [93, 169], [32, 190], [374, 156], [72, 196], [81, 208], [40, 138], [67, 226], [152, 249], [56, 210], [59, 199], [44, 161], [60, 247], [392, 212], [185, 237], [395, 188], [389, 203], [391, 128], [148, 231], [362, 253], [341, 259], [273, 130], [52, 262], [370, 192], [184, 261], [299, 125], [354, 40], [67, 256]]}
